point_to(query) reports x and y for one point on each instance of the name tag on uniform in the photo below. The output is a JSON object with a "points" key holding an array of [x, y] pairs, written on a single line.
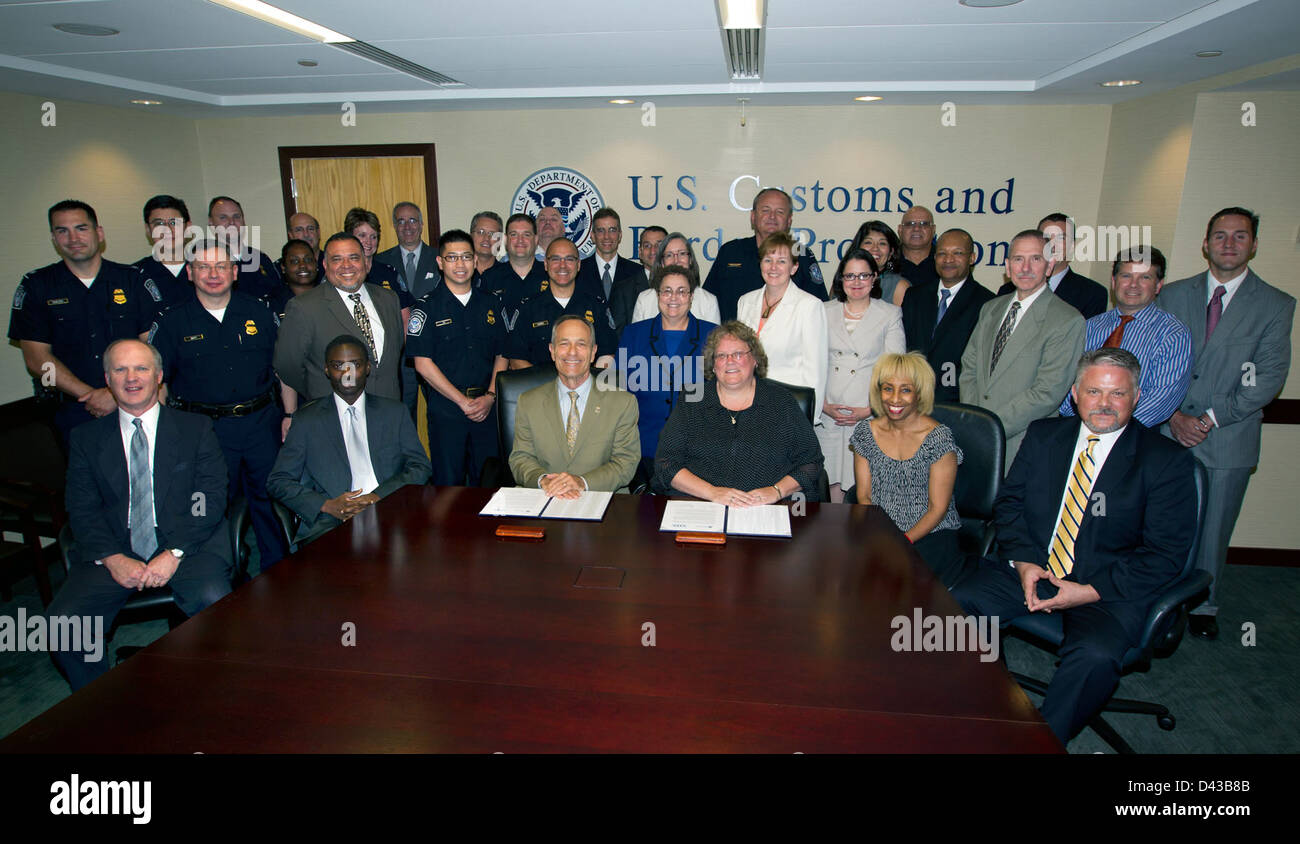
{"points": [[540, 324], [734, 265], [440, 323], [192, 338], [56, 301]]}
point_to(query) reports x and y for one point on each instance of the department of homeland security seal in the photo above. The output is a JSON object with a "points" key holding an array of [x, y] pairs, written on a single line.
{"points": [[568, 190]]}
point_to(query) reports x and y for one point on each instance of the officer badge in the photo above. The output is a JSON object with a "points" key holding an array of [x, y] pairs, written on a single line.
{"points": [[386, 285], [250, 328], [152, 287], [491, 319], [588, 316], [415, 324], [119, 296], [19, 295]]}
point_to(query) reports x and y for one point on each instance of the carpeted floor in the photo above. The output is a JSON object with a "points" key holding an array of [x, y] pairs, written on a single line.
{"points": [[1227, 697]]}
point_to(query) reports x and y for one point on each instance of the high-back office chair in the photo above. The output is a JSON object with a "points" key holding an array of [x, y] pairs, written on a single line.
{"points": [[1160, 635], [806, 398], [240, 522], [979, 435], [511, 384], [32, 470], [160, 602]]}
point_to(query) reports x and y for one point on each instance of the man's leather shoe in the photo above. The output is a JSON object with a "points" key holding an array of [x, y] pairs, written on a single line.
{"points": [[1204, 626]]}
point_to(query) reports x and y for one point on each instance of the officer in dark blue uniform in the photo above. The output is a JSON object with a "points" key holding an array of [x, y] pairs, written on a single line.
{"points": [[258, 275], [735, 272], [216, 352], [457, 341], [520, 275], [530, 337], [65, 315], [165, 220]]}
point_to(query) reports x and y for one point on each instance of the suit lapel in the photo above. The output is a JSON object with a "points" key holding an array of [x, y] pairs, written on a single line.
{"points": [[112, 463], [554, 417], [1236, 312], [1029, 324], [1061, 458], [342, 313], [590, 418], [375, 436], [1113, 474], [164, 457]]}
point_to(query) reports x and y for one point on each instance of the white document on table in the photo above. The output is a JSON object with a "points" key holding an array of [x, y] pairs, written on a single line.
{"points": [[588, 507], [694, 516], [516, 501], [761, 520]]}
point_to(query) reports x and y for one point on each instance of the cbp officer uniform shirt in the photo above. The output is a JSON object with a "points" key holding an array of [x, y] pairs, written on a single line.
{"points": [[174, 288], [736, 272], [258, 276], [463, 340], [513, 290], [221, 361], [530, 339], [51, 305], [388, 278]]}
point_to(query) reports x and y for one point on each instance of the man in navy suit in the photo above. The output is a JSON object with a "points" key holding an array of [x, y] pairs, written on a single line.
{"points": [[347, 450], [939, 316], [146, 498], [1085, 295], [603, 269], [1094, 519]]}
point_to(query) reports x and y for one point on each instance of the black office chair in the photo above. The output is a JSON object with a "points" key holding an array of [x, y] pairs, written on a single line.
{"points": [[979, 435], [1161, 634], [806, 398], [240, 522], [511, 384]]}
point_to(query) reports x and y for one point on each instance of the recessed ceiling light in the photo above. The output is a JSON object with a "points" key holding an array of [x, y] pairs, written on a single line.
{"points": [[988, 4], [285, 20], [85, 29], [307, 62], [1209, 54], [622, 102], [146, 102], [866, 98], [1120, 83]]}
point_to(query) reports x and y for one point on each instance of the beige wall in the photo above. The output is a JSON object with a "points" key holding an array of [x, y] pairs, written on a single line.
{"points": [[114, 159], [483, 156]]}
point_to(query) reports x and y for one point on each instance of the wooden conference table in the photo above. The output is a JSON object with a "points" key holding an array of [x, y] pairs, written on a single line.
{"points": [[465, 643]]}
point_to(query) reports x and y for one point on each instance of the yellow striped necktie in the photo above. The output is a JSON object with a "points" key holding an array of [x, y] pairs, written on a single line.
{"points": [[1060, 558], [571, 429]]}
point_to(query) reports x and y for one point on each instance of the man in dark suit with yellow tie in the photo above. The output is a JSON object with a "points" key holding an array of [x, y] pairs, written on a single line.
{"points": [[1094, 519]]}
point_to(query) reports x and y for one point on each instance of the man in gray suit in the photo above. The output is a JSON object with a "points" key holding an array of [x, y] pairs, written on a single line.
{"points": [[347, 305], [1241, 353], [415, 260], [1020, 360], [346, 451]]}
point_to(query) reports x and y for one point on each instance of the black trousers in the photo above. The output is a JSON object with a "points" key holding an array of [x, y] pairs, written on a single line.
{"points": [[1096, 637]]}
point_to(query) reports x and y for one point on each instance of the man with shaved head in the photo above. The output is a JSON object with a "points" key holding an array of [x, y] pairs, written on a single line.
{"points": [[916, 232]]}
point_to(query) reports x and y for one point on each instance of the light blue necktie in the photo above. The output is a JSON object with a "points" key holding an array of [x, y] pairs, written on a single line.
{"points": [[944, 295], [144, 539]]}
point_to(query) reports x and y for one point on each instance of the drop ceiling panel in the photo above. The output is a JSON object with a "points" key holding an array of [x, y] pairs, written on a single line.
{"points": [[313, 85], [908, 71], [848, 12], [144, 25], [551, 78], [181, 67]]}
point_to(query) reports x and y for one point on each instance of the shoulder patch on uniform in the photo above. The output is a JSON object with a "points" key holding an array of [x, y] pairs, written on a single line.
{"points": [[153, 329], [415, 324], [19, 295], [816, 272], [152, 286], [275, 318]]}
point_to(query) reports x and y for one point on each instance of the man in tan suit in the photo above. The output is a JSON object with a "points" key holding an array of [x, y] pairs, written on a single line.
{"points": [[571, 434], [1021, 357]]}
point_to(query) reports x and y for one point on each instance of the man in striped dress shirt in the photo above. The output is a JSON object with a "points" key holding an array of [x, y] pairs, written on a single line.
{"points": [[1161, 343]]}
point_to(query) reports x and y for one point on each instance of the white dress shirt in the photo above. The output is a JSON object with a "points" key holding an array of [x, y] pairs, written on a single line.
{"points": [[363, 471], [376, 325], [126, 426], [1099, 455], [1230, 287], [1024, 307]]}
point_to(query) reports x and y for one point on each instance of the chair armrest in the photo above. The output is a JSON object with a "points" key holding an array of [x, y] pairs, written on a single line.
{"points": [[496, 473], [1169, 601]]}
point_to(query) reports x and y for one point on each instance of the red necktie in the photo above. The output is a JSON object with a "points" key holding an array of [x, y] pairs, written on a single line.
{"points": [[1214, 312], [1116, 336]]}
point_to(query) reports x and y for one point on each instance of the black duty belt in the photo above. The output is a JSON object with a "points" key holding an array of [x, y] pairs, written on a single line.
{"points": [[475, 392], [220, 411]]}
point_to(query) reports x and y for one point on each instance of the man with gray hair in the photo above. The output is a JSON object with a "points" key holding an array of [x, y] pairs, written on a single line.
{"points": [[1100, 547], [573, 434], [414, 260], [146, 493]]}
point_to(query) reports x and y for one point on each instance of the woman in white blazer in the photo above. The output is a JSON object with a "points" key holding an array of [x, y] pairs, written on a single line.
{"points": [[861, 327], [790, 323]]}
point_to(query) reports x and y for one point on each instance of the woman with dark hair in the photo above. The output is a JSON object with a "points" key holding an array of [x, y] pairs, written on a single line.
{"points": [[860, 329], [745, 441], [364, 226], [877, 238]]}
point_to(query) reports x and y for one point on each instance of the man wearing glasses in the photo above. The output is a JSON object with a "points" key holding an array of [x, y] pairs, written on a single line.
{"points": [[485, 228], [603, 270], [457, 340], [916, 232], [530, 338], [216, 354], [411, 257]]}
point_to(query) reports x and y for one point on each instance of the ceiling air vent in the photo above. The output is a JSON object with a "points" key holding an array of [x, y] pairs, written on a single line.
{"points": [[744, 52], [369, 51]]}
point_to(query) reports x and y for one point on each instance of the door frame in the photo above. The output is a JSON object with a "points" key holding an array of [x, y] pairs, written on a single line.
{"points": [[432, 226]]}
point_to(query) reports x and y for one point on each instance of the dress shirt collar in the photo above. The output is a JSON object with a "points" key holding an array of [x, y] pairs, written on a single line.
{"points": [[1230, 287], [416, 252], [126, 422], [584, 392], [952, 291], [342, 406], [1055, 281]]}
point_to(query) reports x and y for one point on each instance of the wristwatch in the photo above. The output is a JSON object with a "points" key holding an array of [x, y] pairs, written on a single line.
{"points": [[177, 553]]}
